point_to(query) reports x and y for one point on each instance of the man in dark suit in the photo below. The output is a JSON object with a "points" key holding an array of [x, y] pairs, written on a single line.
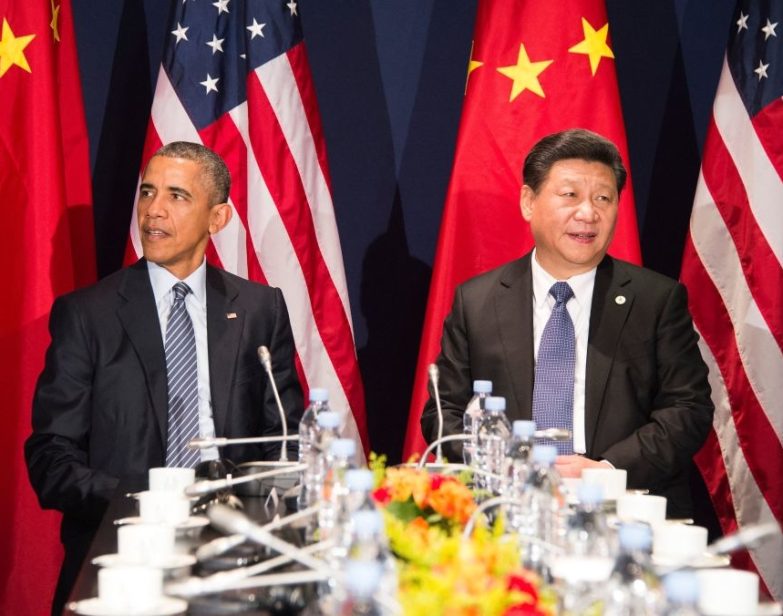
{"points": [[101, 412], [640, 399]]}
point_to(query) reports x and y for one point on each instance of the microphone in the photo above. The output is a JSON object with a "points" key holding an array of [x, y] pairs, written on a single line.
{"points": [[218, 546], [266, 360], [200, 488], [432, 371], [231, 521], [220, 441]]}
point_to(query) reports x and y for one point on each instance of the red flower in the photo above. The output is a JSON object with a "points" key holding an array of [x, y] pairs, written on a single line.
{"points": [[382, 496], [522, 584], [436, 481]]}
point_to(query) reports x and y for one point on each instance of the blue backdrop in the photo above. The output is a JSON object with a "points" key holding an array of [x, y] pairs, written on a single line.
{"points": [[389, 76]]}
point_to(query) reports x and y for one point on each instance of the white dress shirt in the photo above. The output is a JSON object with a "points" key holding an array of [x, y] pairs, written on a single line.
{"points": [[196, 304], [579, 307]]}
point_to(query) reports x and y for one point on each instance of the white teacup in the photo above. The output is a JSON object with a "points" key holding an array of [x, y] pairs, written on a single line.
{"points": [[145, 544], [171, 479], [728, 592], [641, 508], [612, 480], [163, 507], [673, 541], [130, 589]]}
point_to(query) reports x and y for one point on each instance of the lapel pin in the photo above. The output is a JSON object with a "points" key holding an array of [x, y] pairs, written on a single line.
{"points": [[619, 300], [231, 315]]}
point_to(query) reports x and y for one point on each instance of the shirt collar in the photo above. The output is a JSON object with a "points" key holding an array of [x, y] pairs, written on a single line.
{"points": [[163, 280], [581, 284]]}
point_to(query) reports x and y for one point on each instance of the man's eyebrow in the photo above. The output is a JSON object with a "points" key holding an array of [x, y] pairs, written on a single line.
{"points": [[179, 191]]}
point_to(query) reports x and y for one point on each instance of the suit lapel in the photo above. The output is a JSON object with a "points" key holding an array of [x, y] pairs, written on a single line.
{"points": [[139, 317], [514, 310], [612, 301], [225, 322]]}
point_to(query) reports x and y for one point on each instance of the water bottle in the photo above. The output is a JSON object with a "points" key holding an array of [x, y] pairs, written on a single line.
{"points": [[518, 467], [492, 438], [339, 460], [328, 426], [473, 412], [361, 581], [359, 483], [369, 544], [682, 593], [543, 510], [308, 425], [634, 588], [588, 554]]}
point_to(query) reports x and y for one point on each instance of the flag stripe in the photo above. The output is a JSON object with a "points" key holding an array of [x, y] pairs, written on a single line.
{"points": [[759, 267], [713, 318], [300, 67], [740, 480], [759, 177], [273, 247], [271, 151], [224, 138], [277, 80]]}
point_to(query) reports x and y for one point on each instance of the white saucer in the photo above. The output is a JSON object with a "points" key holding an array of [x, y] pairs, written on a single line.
{"points": [[193, 522], [172, 561], [166, 606], [705, 561], [771, 608]]}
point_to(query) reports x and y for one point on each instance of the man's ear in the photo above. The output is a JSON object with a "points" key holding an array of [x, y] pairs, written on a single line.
{"points": [[526, 198], [219, 216]]}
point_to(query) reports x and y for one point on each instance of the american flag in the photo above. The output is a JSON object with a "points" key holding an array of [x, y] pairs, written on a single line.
{"points": [[732, 268], [235, 77]]}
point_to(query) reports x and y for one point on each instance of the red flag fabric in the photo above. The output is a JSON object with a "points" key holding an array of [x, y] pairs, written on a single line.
{"points": [[236, 78], [45, 186], [535, 68], [733, 268]]}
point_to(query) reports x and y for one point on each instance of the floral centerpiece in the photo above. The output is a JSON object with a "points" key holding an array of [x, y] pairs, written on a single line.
{"points": [[439, 571]]}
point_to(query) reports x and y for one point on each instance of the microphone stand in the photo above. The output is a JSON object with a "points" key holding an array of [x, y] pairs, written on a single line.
{"points": [[433, 373], [266, 361], [200, 488]]}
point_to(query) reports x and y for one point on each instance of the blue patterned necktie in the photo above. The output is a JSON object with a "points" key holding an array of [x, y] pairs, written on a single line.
{"points": [[182, 372], [553, 389]]}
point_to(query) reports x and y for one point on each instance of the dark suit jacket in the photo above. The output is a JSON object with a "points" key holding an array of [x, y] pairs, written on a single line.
{"points": [[101, 402], [647, 399]]}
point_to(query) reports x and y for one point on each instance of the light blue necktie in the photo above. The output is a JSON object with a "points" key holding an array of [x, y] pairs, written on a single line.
{"points": [[553, 389], [182, 371]]}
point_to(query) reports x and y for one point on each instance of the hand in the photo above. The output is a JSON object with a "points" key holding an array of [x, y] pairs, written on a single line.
{"points": [[572, 466]]}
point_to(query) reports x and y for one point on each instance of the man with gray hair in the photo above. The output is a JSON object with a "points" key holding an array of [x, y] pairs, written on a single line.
{"points": [[156, 354]]}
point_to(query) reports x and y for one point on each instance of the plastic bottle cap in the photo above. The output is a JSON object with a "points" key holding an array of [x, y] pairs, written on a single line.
{"points": [[495, 403], [359, 479], [319, 394], [362, 578], [635, 537], [367, 523], [590, 494], [342, 447], [482, 387], [328, 419], [544, 454], [524, 428], [682, 587]]}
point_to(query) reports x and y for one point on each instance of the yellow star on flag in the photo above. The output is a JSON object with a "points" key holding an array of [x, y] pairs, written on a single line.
{"points": [[54, 24], [524, 74], [12, 49], [594, 44], [472, 66]]}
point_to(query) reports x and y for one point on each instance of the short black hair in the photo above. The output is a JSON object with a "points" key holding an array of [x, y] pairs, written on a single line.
{"points": [[213, 167], [573, 143]]}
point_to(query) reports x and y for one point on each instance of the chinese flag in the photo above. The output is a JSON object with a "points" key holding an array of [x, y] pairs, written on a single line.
{"points": [[535, 68], [47, 249]]}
